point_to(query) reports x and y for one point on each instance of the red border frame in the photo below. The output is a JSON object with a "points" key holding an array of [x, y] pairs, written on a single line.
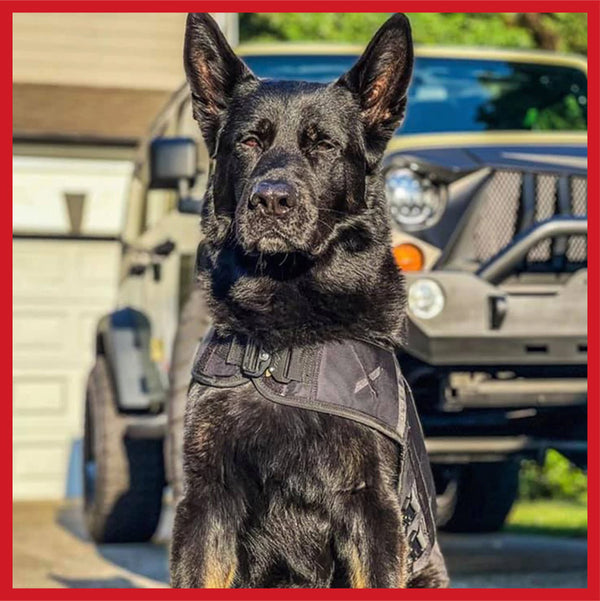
{"points": [[592, 8]]}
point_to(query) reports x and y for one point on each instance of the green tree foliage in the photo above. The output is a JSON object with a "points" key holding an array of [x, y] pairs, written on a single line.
{"points": [[354, 28], [536, 107], [566, 32], [465, 29], [557, 478]]}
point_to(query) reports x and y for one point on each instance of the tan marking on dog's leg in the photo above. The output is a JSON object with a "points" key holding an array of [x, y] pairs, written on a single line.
{"points": [[403, 565], [219, 574], [230, 576], [358, 571]]}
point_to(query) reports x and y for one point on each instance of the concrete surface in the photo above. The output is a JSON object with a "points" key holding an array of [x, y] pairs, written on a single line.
{"points": [[51, 549]]}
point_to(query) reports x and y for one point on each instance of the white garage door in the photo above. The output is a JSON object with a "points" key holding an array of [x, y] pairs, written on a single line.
{"points": [[60, 288], [63, 280]]}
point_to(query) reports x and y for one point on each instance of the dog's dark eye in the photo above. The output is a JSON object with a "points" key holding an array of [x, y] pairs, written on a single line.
{"points": [[251, 142]]}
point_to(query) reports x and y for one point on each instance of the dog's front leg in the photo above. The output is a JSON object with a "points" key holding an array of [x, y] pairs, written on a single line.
{"points": [[203, 548], [370, 543]]}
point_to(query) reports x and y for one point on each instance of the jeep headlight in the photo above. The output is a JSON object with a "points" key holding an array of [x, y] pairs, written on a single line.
{"points": [[415, 203], [425, 299]]}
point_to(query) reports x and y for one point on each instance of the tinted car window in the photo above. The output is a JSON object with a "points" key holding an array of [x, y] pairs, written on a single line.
{"points": [[320, 68], [452, 95]]}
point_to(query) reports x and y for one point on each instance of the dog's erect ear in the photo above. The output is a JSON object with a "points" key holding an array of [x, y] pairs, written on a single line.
{"points": [[213, 72], [380, 80]]}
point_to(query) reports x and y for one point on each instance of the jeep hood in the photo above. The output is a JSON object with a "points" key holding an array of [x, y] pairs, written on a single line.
{"points": [[455, 153]]}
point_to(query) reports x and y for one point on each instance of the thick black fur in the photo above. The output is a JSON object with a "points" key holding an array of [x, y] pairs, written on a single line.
{"points": [[277, 496]]}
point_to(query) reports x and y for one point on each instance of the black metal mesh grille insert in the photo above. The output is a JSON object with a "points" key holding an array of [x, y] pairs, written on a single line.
{"points": [[577, 245], [544, 209], [498, 220]]}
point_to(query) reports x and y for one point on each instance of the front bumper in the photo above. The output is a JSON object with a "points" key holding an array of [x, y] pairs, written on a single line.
{"points": [[485, 325]]}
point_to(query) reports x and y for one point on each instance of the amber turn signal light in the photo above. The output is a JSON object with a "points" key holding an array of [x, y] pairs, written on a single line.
{"points": [[408, 257]]}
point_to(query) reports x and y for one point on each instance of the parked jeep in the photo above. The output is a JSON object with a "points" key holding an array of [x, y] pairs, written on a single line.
{"points": [[487, 186]]}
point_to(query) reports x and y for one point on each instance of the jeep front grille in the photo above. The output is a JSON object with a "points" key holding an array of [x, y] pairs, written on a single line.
{"points": [[577, 246], [514, 201]]}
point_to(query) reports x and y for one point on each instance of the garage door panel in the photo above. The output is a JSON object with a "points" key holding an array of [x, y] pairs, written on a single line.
{"points": [[42, 332], [41, 459], [40, 395], [60, 339], [40, 469], [48, 403], [34, 271], [78, 270]]}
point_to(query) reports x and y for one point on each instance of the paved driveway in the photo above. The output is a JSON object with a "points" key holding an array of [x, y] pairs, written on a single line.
{"points": [[51, 549]]}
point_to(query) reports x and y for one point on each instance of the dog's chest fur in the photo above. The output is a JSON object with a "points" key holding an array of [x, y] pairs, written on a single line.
{"points": [[254, 443], [295, 475]]}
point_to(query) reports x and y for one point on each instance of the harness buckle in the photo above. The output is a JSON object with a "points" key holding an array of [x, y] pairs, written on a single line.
{"points": [[255, 360]]}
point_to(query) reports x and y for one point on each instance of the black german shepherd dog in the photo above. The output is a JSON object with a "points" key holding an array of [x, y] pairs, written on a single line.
{"points": [[297, 252]]}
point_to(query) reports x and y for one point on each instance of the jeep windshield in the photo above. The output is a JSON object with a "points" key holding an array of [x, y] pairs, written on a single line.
{"points": [[463, 95]]}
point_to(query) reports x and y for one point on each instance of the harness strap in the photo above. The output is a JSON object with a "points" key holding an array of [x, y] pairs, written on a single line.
{"points": [[289, 365]]}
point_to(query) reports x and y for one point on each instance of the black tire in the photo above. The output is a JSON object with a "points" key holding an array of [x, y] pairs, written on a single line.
{"points": [[475, 497], [193, 324], [123, 477]]}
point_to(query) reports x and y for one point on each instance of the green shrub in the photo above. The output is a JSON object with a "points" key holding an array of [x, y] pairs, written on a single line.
{"points": [[555, 31], [557, 478]]}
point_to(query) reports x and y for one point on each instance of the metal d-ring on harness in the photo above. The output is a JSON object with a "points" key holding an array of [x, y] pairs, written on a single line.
{"points": [[352, 379]]}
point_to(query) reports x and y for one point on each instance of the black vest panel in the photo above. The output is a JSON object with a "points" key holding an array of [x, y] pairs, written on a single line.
{"points": [[352, 379]]}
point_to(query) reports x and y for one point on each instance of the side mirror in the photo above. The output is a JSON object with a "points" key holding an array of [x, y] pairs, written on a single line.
{"points": [[174, 166], [171, 161]]}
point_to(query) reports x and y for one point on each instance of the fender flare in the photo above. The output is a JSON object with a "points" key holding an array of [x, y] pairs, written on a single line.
{"points": [[123, 337]]}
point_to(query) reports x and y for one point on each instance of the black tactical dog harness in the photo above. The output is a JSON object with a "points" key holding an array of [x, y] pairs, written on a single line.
{"points": [[352, 379]]}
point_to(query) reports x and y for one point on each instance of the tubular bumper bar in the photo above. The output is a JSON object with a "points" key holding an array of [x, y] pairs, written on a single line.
{"points": [[502, 263]]}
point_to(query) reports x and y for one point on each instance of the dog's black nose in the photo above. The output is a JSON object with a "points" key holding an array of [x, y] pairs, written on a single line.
{"points": [[273, 197]]}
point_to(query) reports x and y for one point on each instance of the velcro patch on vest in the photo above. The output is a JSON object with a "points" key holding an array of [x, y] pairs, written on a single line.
{"points": [[364, 378]]}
